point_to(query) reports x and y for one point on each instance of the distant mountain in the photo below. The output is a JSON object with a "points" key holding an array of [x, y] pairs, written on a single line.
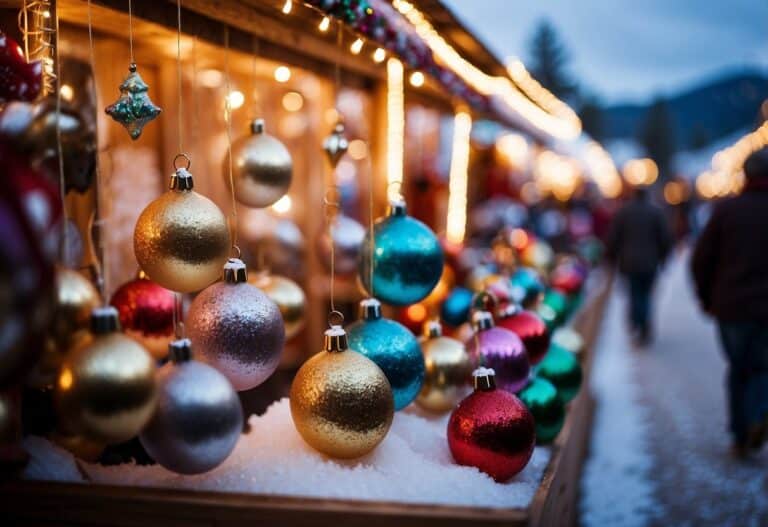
{"points": [[700, 115]]}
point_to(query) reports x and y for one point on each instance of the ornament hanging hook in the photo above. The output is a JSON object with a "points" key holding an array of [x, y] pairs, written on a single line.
{"points": [[236, 251], [332, 202], [485, 301], [182, 156], [335, 318]]}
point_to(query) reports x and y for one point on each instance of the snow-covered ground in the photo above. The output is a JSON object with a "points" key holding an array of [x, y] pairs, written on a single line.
{"points": [[659, 452]]}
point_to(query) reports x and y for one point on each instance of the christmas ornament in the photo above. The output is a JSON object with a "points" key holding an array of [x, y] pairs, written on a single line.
{"points": [[456, 307], [392, 347], [348, 237], [76, 298], [146, 313], [529, 327], [491, 429], [336, 144], [262, 168], [526, 287], [33, 129], [448, 370], [106, 388], [19, 80], [288, 296], [539, 255], [546, 406], [499, 287], [554, 308], [133, 109], [237, 329], [341, 402], [29, 221], [440, 292], [476, 279], [562, 369], [500, 349], [181, 239], [569, 339], [198, 418], [407, 258], [567, 278]]}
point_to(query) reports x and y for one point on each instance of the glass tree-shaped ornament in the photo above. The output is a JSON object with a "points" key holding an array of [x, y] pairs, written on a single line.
{"points": [[133, 109]]}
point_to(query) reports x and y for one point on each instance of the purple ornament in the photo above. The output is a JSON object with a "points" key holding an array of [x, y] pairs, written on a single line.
{"points": [[499, 349]]}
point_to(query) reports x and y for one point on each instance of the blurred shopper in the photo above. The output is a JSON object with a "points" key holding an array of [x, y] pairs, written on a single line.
{"points": [[638, 242], [730, 269]]}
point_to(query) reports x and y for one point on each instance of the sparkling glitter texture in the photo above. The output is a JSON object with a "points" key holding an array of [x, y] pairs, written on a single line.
{"points": [[502, 350], [529, 327]]}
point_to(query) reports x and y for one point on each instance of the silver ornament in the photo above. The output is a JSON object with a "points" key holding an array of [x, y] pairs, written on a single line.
{"points": [[237, 329], [336, 144], [198, 418], [348, 237], [262, 168]]}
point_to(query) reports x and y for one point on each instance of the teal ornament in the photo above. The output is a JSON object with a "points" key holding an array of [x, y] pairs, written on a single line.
{"points": [[392, 347], [555, 308], [407, 258], [456, 307], [526, 287], [546, 406], [133, 109], [562, 369]]}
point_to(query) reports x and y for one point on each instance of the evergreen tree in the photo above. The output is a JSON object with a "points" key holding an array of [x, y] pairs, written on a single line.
{"points": [[657, 136], [548, 61], [591, 115]]}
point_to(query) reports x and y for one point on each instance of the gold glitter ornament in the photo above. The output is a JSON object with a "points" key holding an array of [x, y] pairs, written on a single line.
{"points": [[262, 168], [288, 296], [105, 390], [448, 370], [76, 297], [181, 239], [341, 402]]}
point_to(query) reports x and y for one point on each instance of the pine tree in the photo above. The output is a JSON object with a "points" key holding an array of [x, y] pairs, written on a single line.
{"points": [[657, 135], [549, 59], [591, 115]]}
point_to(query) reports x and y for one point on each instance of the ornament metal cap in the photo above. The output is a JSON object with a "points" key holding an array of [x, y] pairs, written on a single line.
{"points": [[370, 309], [484, 379], [182, 180], [104, 320], [235, 271], [180, 350], [335, 339], [433, 329], [509, 310], [482, 320], [397, 207], [257, 126]]}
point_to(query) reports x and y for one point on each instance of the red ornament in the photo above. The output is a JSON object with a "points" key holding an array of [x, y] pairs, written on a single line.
{"points": [[146, 314], [492, 430], [567, 278], [529, 327], [19, 80]]}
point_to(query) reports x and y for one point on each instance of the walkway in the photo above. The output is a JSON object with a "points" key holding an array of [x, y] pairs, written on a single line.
{"points": [[659, 452]]}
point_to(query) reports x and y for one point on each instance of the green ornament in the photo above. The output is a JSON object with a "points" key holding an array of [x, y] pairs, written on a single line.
{"points": [[554, 308], [544, 402], [133, 109], [562, 369]]}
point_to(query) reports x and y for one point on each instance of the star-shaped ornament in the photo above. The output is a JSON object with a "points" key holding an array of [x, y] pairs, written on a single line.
{"points": [[336, 144], [133, 109]]}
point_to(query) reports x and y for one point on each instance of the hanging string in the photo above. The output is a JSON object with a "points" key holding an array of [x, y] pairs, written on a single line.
{"points": [[228, 119], [130, 32], [371, 235], [195, 99], [64, 242], [101, 260], [254, 75], [178, 72], [337, 67], [332, 205]]}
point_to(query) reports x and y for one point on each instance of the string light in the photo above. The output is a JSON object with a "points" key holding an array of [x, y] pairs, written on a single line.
{"points": [[282, 74], [293, 101], [287, 6], [566, 126], [236, 99], [602, 169], [379, 55], [67, 93], [395, 127], [357, 46], [456, 223], [417, 79], [325, 23], [640, 171], [357, 150]]}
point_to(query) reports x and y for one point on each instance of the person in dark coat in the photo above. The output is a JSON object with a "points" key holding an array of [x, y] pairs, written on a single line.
{"points": [[730, 272], [639, 242]]}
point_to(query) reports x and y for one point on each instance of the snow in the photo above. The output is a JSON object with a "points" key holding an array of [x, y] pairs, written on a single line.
{"points": [[412, 465], [617, 488]]}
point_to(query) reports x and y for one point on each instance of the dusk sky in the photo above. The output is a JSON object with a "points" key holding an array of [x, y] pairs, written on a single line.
{"points": [[630, 50]]}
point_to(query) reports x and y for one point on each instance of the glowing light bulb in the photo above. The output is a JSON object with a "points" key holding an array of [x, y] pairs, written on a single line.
{"points": [[293, 101], [357, 46], [282, 74], [325, 23], [287, 6], [379, 55], [67, 93], [417, 79]]}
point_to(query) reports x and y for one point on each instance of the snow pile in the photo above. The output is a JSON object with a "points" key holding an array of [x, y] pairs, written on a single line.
{"points": [[413, 464], [616, 486]]}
